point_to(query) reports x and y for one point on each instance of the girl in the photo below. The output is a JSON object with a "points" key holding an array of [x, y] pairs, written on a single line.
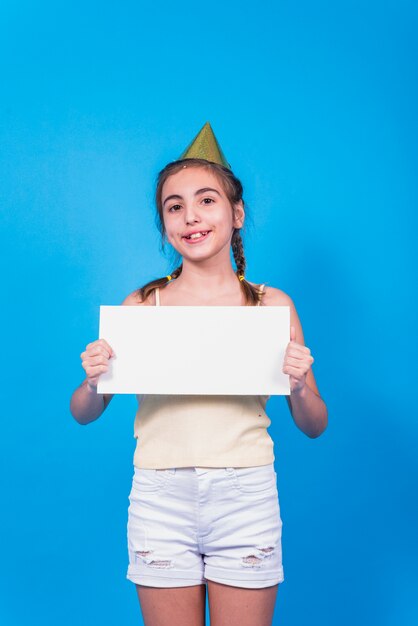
{"points": [[204, 510]]}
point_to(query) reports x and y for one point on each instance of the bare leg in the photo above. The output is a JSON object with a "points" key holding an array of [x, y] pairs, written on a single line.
{"points": [[172, 606], [237, 606]]}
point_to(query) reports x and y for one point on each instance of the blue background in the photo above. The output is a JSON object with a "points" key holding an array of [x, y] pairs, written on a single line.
{"points": [[314, 105]]}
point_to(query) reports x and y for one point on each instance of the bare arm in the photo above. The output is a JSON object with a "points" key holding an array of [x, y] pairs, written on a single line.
{"points": [[306, 406], [86, 405], [309, 411]]}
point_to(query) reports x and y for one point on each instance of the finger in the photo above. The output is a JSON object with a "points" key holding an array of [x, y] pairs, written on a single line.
{"points": [[298, 351], [96, 360], [96, 370], [107, 346], [292, 333], [98, 344], [304, 363], [299, 346], [98, 349], [293, 371], [289, 368], [295, 353]]}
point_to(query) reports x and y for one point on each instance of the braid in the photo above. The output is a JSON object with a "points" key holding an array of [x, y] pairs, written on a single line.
{"points": [[146, 290], [177, 271], [252, 294], [238, 251]]}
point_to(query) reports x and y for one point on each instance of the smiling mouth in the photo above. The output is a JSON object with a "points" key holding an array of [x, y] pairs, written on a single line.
{"points": [[196, 237]]}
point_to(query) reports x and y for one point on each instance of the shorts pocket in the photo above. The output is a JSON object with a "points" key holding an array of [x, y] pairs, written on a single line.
{"points": [[149, 480], [255, 479]]}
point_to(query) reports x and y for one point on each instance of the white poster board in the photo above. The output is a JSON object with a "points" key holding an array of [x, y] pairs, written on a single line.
{"points": [[221, 350]]}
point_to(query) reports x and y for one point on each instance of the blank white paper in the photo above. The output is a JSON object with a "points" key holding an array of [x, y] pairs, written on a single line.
{"points": [[221, 350]]}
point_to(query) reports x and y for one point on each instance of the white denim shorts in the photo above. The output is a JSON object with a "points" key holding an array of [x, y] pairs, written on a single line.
{"points": [[191, 524]]}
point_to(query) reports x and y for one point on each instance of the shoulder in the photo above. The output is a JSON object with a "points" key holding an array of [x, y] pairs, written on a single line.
{"points": [[133, 299], [275, 297], [278, 297]]}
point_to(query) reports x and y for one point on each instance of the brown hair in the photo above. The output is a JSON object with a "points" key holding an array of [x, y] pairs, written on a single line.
{"points": [[233, 190]]}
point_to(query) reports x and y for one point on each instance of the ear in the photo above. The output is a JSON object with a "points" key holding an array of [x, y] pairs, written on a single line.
{"points": [[239, 214]]}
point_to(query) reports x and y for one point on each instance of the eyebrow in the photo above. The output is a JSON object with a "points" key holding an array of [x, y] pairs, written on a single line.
{"points": [[175, 196]]}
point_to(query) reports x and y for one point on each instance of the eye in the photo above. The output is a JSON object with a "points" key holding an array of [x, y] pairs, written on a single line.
{"points": [[210, 200], [174, 207]]}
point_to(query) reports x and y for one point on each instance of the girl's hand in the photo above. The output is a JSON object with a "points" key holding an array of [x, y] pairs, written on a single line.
{"points": [[95, 360], [297, 362]]}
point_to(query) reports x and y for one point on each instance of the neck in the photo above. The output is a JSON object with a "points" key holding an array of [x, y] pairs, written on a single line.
{"points": [[204, 278]]}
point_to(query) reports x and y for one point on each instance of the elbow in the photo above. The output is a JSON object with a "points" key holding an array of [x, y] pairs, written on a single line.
{"points": [[82, 421], [78, 419], [314, 434], [73, 412]]}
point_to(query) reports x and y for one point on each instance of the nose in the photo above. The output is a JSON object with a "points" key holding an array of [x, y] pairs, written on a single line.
{"points": [[190, 215]]}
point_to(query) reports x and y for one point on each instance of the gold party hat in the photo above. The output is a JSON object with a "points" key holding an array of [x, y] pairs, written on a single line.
{"points": [[205, 146]]}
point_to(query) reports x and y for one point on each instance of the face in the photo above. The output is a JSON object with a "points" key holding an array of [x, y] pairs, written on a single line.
{"points": [[194, 201]]}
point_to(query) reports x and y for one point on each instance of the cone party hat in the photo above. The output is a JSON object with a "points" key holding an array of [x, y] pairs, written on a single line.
{"points": [[205, 146]]}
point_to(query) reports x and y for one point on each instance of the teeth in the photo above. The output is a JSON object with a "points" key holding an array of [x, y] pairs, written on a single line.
{"points": [[197, 235]]}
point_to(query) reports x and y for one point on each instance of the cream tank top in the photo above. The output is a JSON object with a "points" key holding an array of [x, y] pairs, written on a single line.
{"points": [[201, 430]]}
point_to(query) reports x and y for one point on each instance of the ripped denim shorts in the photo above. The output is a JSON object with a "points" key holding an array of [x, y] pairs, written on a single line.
{"points": [[191, 524]]}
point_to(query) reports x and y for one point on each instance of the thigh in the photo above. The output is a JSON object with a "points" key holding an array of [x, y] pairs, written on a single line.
{"points": [[242, 545], [162, 533], [167, 607], [237, 606]]}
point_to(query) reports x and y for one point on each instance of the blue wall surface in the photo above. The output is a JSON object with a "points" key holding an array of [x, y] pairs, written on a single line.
{"points": [[314, 105]]}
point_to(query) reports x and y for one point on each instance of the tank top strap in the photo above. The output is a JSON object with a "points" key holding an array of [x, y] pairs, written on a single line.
{"points": [[262, 289]]}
